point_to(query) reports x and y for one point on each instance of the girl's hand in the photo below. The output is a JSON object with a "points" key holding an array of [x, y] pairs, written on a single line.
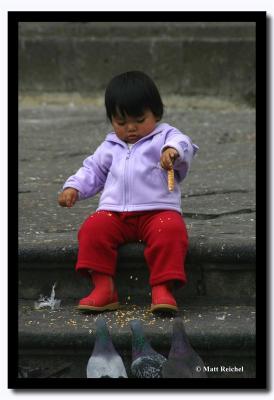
{"points": [[68, 197], [168, 157]]}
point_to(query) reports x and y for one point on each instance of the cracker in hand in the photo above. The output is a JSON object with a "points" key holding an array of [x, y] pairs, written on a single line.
{"points": [[170, 179]]}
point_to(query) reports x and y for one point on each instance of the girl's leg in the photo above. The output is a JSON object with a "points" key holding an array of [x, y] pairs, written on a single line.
{"points": [[98, 240], [99, 237], [166, 241]]}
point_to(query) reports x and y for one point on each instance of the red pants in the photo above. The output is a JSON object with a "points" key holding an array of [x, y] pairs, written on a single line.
{"points": [[163, 232]]}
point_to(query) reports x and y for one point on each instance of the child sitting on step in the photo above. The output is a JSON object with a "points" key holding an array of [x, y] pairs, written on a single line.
{"points": [[130, 168]]}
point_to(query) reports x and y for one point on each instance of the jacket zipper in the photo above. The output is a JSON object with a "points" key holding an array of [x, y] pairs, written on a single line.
{"points": [[126, 179]]}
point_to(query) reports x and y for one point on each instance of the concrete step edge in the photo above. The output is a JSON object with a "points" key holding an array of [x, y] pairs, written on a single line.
{"points": [[218, 329], [238, 252]]}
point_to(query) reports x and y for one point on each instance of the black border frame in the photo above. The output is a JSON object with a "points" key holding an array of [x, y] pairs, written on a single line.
{"points": [[14, 17]]}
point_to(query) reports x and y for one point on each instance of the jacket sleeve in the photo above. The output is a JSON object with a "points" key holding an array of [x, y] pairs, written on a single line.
{"points": [[186, 149], [91, 177]]}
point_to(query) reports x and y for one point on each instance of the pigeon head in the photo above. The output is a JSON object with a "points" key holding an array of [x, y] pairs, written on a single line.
{"points": [[103, 341], [180, 342], [140, 345]]}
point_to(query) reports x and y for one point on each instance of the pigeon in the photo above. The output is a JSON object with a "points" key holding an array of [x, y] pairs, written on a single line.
{"points": [[104, 361], [146, 362], [183, 361]]}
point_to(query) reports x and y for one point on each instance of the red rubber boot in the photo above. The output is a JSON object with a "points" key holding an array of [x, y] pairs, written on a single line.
{"points": [[162, 298], [104, 295]]}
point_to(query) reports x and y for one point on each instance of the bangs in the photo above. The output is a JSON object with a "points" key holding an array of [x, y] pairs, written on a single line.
{"points": [[128, 102], [132, 93]]}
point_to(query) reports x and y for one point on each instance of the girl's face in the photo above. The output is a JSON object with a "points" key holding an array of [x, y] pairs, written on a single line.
{"points": [[131, 129]]}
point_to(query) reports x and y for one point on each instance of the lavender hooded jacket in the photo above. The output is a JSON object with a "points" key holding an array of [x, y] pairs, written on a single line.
{"points": [[131, 179]]}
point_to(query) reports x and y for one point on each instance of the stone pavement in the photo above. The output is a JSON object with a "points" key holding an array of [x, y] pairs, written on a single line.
{"points": [[222, 335]]}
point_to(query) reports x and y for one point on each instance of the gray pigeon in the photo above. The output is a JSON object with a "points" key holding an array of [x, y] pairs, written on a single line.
{"points": [[104, 361], [183, 361], [146, 362]]}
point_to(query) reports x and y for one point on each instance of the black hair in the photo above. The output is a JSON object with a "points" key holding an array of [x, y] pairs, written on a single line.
{"points": [[132, 93]]}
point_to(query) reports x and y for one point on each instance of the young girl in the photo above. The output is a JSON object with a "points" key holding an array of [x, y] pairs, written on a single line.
{"points": [[130, 168]]}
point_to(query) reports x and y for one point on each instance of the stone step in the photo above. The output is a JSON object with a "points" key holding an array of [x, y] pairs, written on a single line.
{"points": [[63, 56], [222, 273], [58, 343]]}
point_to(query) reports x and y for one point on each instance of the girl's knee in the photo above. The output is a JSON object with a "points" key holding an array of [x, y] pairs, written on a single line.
{"points": [[101, 228], [91, 226], [174, 226]]}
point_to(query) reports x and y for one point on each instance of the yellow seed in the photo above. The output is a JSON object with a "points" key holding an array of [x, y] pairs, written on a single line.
{"points": [[170, 179]]}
